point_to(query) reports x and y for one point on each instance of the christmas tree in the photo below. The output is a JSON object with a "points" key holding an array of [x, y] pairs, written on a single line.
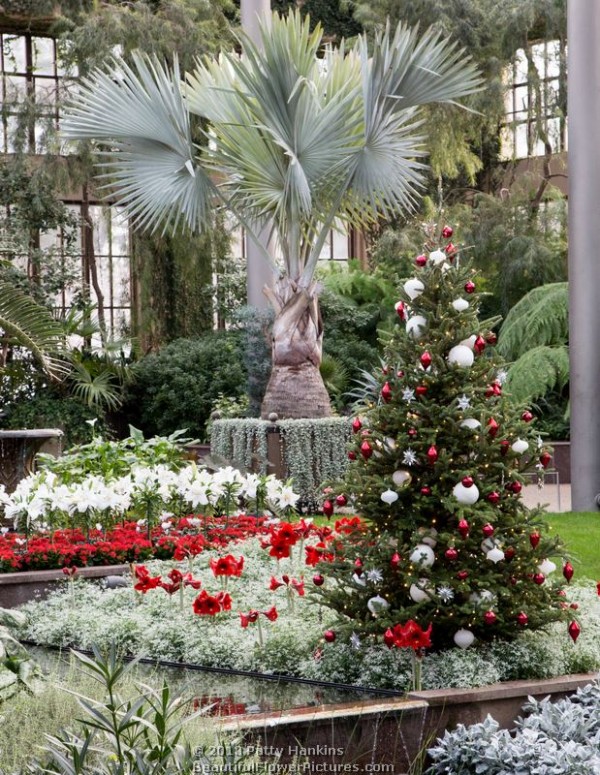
{"points": [[437, 472]]}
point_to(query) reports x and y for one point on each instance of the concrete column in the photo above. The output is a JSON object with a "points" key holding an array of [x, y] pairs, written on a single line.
{"points": [[258, 270], [584, 253]]}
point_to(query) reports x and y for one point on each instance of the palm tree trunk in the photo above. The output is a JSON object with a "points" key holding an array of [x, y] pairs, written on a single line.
{"points": [[296, 388]]}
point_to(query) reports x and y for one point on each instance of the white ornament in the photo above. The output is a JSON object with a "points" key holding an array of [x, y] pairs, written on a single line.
{"points": [[546, 567], [377, 605], [389, 497], [416, 325], [464, 402], [390, 443], [408, 395], [413, 288], [355, 641], [471, 423], [467, 496], [463, 638], [460, 305], [488, 544], [359, 580], [495, 555], [520, 446], [418, 592], [445, 593], [483, 598], [409, 458], [470, 342], [460, 355], [430, 537], [374, 575], [437, 257], [401, 478], [501, 376], [422, 555]]}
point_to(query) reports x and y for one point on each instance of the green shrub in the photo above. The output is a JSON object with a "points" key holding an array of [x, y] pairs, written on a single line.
{"points": [[177, 386]]}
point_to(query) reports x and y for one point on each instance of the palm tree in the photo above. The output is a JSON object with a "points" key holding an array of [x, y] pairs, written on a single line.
{"points": [[297, 135]]}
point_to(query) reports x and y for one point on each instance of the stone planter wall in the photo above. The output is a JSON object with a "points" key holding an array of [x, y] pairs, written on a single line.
{"points": [[19, 588], [387, 735]]}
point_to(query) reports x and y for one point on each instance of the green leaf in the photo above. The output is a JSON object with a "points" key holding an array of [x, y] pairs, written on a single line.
{"points": [[538, 371]]}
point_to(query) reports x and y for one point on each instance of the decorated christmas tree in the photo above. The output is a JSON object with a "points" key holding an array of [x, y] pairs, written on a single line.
{"points": [[438, 464]]}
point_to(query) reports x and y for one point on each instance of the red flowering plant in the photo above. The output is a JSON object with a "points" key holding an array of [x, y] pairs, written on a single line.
{"points": [[211, 605], [144, 582], [253, 616], [412, 636], [292, 586]]}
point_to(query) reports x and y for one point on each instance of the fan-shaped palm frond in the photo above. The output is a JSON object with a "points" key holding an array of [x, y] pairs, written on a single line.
{"points": [[143, 114], [538, 371], [295, 139], [98, 388], [540, 318], [32, 326]]}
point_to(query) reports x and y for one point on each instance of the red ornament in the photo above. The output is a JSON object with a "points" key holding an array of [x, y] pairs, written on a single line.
{"points": [[568, 571], [400, 310], [467, 481], [386, 392], [400, 374], [527, 416], [351, 455], [492, 427], [574, 631], [545, 459], [488, 530], [341, 500], [463, 528], [522, 618], [491, 338], [509, 553], [479, 345], [356, 425], [358, 563], [504, 446], [389, 638], [489, 617], [516, 487], [412, 432], [421, 260], [329, 636], [327, 508], [470, 286], [318, 580], [420, 390], [574, 606], [450, 250], [425, 360], [495, 389], [447, 232], [534, 539], [395, 560], [451, 554], [462, 575], [539, 578], [432, 454], [493, 497], [598, 588], [425, 490], [366, 450]]}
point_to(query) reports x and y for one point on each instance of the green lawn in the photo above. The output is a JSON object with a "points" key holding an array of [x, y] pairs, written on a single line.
{"points": [[581, 533]]}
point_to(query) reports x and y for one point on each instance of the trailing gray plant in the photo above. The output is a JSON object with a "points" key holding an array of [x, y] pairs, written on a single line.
{"points": [[313, 451], [561, 738]]}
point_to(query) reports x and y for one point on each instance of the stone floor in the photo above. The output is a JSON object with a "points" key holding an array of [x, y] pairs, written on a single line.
{"points": [[555, 498]]}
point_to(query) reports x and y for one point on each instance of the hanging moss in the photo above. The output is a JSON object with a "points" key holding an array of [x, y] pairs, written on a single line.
{"points": [[312, 451]]}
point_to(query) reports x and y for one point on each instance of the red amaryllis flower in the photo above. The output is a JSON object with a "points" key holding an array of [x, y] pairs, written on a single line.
{"points": [[298, 586], [190, 581], [227, 566], [271, 614], [410, 635], [70, 571], [249, 618], [224, 599], [286, 532], [175, 575], [279, 548], [145, 580], [275, 584], [206, 604]]}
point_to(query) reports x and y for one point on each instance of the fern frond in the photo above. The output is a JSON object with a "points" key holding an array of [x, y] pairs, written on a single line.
{"points": [[29, 325], [540, 318], [538, 371]]}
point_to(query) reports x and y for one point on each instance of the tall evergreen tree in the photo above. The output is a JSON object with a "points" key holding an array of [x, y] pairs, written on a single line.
{"points": [[439, 461]]}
